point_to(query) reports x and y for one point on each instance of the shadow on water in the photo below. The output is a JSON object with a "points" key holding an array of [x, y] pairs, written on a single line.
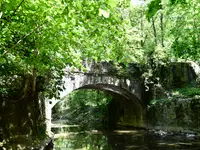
{"points": [[123, 140], [72, 139]]}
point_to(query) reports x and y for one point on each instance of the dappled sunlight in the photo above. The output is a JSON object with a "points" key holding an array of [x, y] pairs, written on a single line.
{"points": [[126, 131], [120, 139], [99, 74], [62, 125]]}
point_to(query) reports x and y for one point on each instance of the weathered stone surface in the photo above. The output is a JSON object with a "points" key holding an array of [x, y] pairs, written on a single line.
{"points": [[104, 76], [170, 113], [178, 115], [178, 75], [175, 75], [126, 82], [123, 112]]}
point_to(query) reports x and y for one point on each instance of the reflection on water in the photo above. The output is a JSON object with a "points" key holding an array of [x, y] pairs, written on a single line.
{"points": [[123, 140]]}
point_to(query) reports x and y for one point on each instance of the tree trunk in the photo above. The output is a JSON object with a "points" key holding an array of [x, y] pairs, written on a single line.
{"points": [[162, 30], [154, 30], [22, 115]]}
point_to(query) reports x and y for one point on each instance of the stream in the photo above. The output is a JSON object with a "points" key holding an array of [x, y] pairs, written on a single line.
{"points": [[71, 137]]}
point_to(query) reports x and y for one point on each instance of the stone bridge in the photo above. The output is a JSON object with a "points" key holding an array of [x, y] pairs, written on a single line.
{"points": [[126, 83]]}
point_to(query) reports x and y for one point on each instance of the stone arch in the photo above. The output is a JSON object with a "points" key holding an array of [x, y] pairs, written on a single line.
{"points": [[131, 107], [130, 88], [114, 89], [125, 108], [104, 87]]}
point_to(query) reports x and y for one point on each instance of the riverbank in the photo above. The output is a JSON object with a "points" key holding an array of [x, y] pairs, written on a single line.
{"points": [[25, 142]]}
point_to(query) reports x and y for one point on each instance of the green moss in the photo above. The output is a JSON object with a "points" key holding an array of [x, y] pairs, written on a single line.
{"points": [[178, 93], [160, 101], [186, 92]]}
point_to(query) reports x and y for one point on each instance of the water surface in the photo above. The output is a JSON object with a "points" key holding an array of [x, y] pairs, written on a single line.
{"points": [[123, 140]]}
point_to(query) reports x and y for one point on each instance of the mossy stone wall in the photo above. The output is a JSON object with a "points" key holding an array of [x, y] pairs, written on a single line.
{"points": [[177, 115]]}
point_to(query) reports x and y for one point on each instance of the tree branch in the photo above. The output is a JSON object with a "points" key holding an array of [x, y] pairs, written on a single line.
{"points": [[17, 8], [154, 30], [10, 17], [162, 30]]}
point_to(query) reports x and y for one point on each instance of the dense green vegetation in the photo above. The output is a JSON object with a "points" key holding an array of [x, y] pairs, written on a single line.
{"points": [[186, 92], [179, 93], [39, 38], [87, 108]]}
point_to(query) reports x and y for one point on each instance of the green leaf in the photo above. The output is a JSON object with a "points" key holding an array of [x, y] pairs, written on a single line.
{"points": [[153, 7], [113, 3]]}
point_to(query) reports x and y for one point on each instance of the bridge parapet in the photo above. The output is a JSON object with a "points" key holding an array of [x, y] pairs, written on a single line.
{"points": [[103, 76], [120, 70], [80, 80]]}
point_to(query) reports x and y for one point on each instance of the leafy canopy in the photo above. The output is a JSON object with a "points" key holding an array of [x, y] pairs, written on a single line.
{"points": [[48, 35]]}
